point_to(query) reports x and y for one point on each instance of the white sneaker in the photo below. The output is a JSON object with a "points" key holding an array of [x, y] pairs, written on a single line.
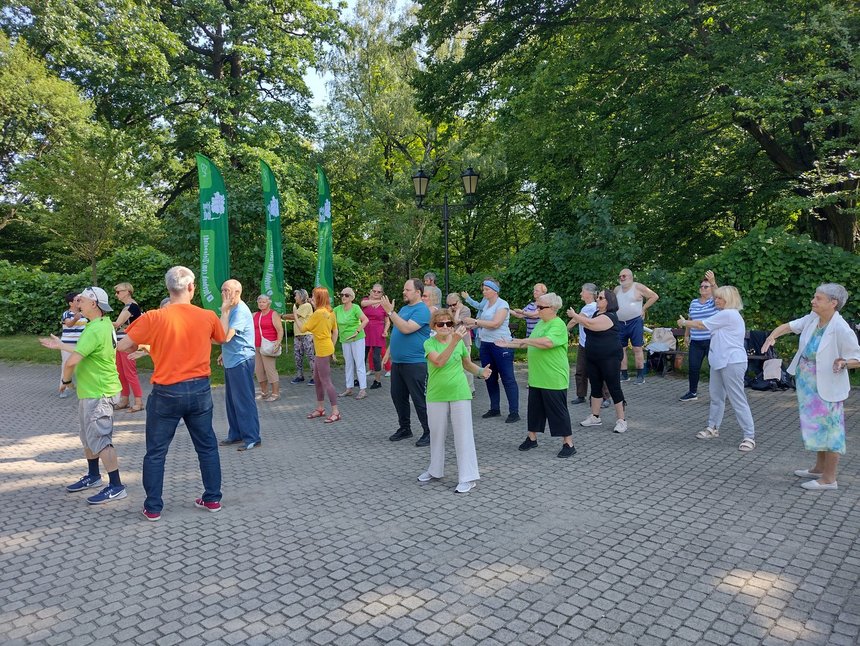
{"points": [[620, 426], [591, 420], [64, 394], [815, 485], [426, 477], [388, 373], [465, 487]]}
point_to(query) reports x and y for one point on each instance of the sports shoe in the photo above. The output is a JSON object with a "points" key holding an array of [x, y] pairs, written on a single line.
{"points": [[250, 446], [566, 451], [426, 477], [229, 442], [151, 515], [640, 379], [64, 394], [578, 400], [208, 506], [512, 418], [527, 444], [311, 382], [605, 403], [591, 420], [424, 440], [625, 376], [465, 487], [689, 397], [806, 473], [493, 412], [375, 385], [387, 373], [400, 434], [297, 380], [816, 485], [620, 426], [107, 494], [85, 483]]}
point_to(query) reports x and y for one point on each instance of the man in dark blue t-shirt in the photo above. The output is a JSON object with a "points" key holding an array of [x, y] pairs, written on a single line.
{"points": [[410, 327]]}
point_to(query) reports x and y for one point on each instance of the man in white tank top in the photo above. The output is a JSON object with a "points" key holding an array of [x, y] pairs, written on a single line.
{"points": [[631, 316]]}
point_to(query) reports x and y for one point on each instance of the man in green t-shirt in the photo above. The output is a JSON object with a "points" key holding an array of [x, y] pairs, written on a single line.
{"points": [[94, 364], [549, 376]]}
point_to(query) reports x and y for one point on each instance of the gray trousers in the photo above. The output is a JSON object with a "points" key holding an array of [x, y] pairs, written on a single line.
{"points": [[729, 382]]}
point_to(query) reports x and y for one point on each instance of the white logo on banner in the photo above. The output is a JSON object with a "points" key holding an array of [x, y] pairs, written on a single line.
{"points": [[274, 209], [325, 211]]}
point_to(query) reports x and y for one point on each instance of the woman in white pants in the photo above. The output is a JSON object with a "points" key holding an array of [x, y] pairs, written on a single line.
{"points": [[351, 322], [728, 360], [448, 393]]}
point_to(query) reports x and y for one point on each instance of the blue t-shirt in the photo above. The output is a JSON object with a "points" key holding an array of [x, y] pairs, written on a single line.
{"points": [[241, 347], [698, 312], [409, 348]]}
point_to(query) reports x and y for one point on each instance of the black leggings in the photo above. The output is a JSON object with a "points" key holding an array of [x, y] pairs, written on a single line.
{"points": [[603, 369], [377, 357]]}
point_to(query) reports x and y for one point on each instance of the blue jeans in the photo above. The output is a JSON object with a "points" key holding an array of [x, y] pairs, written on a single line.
{"points": [[696, 355], [501, 360], [243, 423], [190, 400]]}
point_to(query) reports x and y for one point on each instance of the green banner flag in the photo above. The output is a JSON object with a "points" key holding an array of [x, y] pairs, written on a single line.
{"points": [[214, 234], [273, 266], [325, 266]]}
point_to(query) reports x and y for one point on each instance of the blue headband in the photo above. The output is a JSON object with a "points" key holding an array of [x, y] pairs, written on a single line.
{"points": [[492, 285]]}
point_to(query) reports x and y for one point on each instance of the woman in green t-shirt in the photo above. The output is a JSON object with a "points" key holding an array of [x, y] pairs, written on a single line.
{"points": [[448, 392], [549, 376], [351, 322]]}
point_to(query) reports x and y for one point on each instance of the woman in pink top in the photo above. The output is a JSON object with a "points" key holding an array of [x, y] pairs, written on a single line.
{"points": [[375, 332], [267, 324]]}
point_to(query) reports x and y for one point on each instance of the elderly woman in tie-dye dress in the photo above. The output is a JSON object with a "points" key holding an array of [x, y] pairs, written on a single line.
{"points": [[827, 344]]}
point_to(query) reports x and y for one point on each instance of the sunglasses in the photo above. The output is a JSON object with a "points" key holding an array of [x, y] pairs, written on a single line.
{"points": [[445, 324], [544, 307], [601, 298], [345, 295]]}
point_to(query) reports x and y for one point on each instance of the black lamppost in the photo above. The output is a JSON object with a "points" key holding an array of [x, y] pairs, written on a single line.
{"points": [[470, 187]]}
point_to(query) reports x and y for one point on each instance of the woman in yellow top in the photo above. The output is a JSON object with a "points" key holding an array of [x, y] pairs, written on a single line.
{"points": [[303, 345], [323, 325]]}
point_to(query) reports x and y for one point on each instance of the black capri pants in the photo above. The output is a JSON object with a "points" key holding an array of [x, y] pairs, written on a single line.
{"points": [[603, 369], [548, 406]]}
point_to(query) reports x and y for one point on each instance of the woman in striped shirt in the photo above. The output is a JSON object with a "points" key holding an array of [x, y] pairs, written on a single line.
{"points": [[698, 342]]}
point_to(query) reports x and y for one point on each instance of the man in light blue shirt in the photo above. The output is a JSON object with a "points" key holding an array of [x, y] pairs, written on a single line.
{"points": [[237, 357]]}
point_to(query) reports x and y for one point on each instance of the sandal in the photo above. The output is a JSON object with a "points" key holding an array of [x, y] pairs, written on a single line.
{"points": [[317, 412], [746, 445], [122, 403], [135, 409], [362, 394], [708, 434], [334, 417], [346, 393], [271, 398]]}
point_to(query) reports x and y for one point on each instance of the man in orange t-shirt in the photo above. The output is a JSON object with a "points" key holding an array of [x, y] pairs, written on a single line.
{"points": [[180, 338]]}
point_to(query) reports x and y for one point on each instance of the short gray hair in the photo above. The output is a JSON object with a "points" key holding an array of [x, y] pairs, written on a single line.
{"points": [[430, 275], [552, 299], [835, 292], [591, 288], [178, 278]]}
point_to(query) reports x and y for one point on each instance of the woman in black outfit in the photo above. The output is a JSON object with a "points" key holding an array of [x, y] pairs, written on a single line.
{"points": [[603, 356]]}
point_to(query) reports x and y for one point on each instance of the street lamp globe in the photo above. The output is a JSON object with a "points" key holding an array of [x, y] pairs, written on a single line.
{"points": [[470, 181], [421, 181]]}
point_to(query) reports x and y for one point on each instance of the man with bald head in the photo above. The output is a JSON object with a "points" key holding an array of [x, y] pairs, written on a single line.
{"points": [[530, 312], [634, 299], [237, 357]]}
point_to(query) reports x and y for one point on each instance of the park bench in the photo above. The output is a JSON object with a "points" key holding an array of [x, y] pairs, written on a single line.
{"points": [[673, 359]]}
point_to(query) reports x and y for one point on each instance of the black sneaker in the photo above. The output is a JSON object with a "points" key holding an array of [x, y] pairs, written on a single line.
{"points": [[310, 382], [566, 451], [401, 434], [355, 383], [375, 385], [528, 444], [513, 417], [689, 397], [297, 380], [578, 400], [424, 440], [493, 412], [229, 442], [625, 376]]}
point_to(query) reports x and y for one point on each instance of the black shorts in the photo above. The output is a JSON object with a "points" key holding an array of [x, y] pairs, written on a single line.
{"points": [[548, 406]]}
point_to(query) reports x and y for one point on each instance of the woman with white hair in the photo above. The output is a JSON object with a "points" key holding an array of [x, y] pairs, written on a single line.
{"points": [[351, 322], [268, 326], [827, 345], [728, 360], [549, 376]]}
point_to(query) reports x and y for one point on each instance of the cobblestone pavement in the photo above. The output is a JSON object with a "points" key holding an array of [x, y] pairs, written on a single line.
{"points": [[650, 537]]}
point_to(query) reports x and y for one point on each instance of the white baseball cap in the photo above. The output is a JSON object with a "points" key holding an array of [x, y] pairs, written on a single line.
{"points": [[98, 295]]}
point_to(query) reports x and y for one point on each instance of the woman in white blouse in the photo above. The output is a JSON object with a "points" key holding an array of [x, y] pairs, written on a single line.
{"points": [[827, 344], [728, 360]]}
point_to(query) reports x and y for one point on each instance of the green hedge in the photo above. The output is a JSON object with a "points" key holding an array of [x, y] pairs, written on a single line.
{"points": [[31, 300]]}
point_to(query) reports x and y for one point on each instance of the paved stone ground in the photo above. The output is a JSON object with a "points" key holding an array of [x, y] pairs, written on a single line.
{"points": [[652, 537]]}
